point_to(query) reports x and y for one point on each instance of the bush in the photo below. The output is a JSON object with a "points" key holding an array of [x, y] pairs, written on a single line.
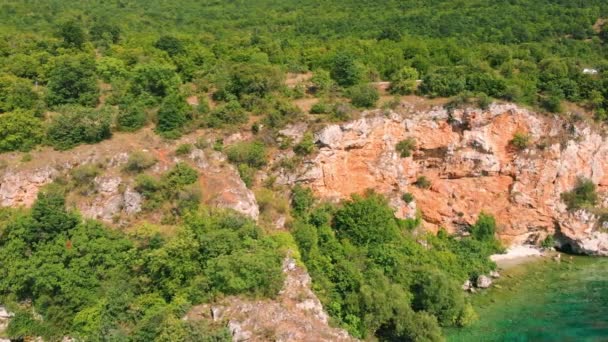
{"points": [[16, 93], [363, 95], [172, 116], [154, 79], [247, 174], [405, 147], [306, 146], [131, 117], [366, 220], [72, 80], [183, 149], [252, 154], [582, 196], [422, 182], [485, 228], [77, 125], [548, 242], [230, 114], [437, 294], [407, 197], [19, 130], [344, 70], [403, 82], [320, 108], [520, 141], [139, 162], [301, 199]]}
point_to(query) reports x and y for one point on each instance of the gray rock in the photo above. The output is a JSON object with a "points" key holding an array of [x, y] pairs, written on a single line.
{"points": [[330, 136], [494, 274], [238, 333], [483, 282], [468, 285], [132, 201]]}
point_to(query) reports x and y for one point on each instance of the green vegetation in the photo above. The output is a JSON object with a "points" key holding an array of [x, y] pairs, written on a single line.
{"points": [[520, 141], [407, 197], [139, 162], [376, 277], [405, 147], [363, 95], [89, 282], [76, 125], [422, 182], [583, 195]]}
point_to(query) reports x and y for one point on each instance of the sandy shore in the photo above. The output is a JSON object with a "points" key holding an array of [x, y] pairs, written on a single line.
{"points": [[516, 255]]}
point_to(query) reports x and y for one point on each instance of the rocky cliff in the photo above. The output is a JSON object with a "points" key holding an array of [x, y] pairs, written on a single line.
{"points": [[468, 157]]}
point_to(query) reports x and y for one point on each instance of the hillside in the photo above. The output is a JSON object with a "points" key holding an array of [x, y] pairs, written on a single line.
{"points": [[289, 171]]}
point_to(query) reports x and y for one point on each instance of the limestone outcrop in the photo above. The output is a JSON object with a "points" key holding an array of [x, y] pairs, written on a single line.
{"points": [[295, 315], [472, 166]]}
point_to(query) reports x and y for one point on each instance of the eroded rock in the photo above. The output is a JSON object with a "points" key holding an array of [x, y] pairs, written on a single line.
{"points": [[468, 158]]}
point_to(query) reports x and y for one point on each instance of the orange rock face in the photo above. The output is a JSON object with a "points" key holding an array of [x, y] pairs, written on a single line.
{"points": [[468, 157]]}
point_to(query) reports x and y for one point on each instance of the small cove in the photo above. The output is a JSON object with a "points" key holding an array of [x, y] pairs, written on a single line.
{"points": [[543, 300]]}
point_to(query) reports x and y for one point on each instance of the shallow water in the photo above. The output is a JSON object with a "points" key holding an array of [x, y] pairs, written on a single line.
{"points": [[543, 301]]}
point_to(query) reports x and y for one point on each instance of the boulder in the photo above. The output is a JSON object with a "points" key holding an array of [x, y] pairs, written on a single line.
{"points": [[483, 282]]}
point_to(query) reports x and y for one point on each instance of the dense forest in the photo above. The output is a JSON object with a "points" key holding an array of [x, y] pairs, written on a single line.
{"points": [[75, 72]]}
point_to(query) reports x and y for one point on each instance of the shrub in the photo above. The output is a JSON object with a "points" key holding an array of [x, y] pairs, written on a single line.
{"points": [[16, 93], [405, 147], [172, 116], [76, 125], [437, 294], [230, 114], [19, 130], [253, 154], [407, 197], [403, 82], [366, 220], [181, 174], [344, 70], [247, 174], [301, 199], [548, 242], [183, 149], [155, 79], [583, 195], [131, 117], [72, 80], [363, 95], [306, 146], [320, 108], [422, 182], [485, 227], [520, 141], [138, 162]]}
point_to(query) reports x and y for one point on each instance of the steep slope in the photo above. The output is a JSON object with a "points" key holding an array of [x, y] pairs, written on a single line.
{"points": [[472, 166]]}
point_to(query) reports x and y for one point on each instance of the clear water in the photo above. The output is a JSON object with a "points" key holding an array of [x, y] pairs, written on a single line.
{"points": [[543, 301]]}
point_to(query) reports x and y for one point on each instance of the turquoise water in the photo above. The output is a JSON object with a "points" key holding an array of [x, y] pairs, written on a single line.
{"points": [[543, 301]]}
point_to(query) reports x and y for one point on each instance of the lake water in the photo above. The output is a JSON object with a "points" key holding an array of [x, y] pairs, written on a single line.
{"points": [[543, 301]]}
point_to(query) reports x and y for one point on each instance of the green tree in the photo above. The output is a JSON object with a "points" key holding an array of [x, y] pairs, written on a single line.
{"points": [[75, 125], [171, 45], [364, 95], [437, 294], [72, 33], [155, 79], [366, 220], [485, 227], [20, 130], [172, 115], [72, 80], [16, 93], [344, 70], [403, 82], [583, 195]]}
